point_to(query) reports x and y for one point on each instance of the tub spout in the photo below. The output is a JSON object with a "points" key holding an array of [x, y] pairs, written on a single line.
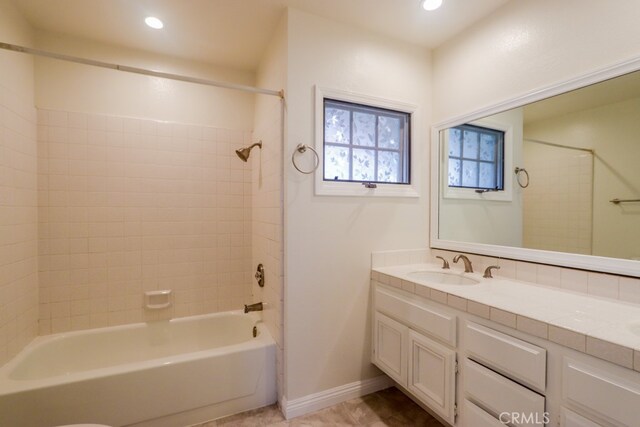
{"points": [[253, 307]]}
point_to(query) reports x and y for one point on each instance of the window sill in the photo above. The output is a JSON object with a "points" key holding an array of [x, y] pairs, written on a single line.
{"points": [[341, 188]]}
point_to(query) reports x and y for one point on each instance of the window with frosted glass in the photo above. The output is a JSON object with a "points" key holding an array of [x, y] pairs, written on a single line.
{"points": [[365, 144], [476, 158]]}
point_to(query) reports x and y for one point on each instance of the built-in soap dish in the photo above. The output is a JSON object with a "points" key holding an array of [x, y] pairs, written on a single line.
{"points": [[157, 300]]}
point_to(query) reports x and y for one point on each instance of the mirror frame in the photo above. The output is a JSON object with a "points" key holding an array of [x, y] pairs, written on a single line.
{"points": [[584, 262]]}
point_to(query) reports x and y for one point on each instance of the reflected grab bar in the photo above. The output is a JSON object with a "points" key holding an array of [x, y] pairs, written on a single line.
{"points": [[618, 201]]}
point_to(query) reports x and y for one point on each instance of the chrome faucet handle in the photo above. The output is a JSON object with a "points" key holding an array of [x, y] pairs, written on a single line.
{"points": [[487, 271], [467, 262], [445, 263]]}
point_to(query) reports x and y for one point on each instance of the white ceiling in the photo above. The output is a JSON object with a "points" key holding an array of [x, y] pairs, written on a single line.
{"points": [[234, 33]]}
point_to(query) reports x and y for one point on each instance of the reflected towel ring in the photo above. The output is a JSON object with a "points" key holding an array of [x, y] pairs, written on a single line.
{"points": [[302, 148], [517, 171]]}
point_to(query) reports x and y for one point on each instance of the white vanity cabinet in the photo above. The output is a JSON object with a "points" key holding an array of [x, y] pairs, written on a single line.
{"points": [[456, 363], [419, 363]]}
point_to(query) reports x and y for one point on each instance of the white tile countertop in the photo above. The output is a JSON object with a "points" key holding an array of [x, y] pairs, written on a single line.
{"points": [[601, 327]]}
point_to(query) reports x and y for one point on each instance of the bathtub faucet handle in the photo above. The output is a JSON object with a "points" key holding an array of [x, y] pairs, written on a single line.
{"points": [[253, 307]]}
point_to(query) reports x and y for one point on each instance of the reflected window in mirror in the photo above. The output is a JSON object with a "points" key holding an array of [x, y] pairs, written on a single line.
{"points": [[476, 158]]}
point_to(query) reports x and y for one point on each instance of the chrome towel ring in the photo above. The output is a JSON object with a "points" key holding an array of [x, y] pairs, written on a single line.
{"points": [[302, 148], [518, 175]]}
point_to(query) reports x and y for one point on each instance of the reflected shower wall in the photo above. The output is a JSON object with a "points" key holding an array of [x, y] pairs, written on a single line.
{"points": [[558, 204]]}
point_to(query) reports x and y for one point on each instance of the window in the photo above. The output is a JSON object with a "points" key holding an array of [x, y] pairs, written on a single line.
{"points": [[365, 144], [476, 158]]}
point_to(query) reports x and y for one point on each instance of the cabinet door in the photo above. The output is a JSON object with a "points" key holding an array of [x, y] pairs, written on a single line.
{"points": [[389, 347], [432, 375]]}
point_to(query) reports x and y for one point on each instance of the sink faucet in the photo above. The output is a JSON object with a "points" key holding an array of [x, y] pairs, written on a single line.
{"points": [[253, 307], [445, 263], [487, 272], [467, 264]]}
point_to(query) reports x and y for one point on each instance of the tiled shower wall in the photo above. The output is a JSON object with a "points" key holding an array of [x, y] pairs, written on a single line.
{"points": [[129, 205], [18, 224], [558, 203], [268, 222]]}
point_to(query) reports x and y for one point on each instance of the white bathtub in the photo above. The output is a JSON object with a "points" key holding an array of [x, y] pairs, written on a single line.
{"points": [[171, 373]]}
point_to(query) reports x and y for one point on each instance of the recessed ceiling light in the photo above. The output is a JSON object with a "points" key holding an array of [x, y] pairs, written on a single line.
{"points": [[153, 22], [431, 4]]}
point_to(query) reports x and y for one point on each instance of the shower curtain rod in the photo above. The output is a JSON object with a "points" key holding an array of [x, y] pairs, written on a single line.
{"points": [[537, 141], [135, 70]]}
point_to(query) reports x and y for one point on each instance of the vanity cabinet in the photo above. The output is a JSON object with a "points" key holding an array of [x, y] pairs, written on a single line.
{"points": [[417, 362], [502, 371]]}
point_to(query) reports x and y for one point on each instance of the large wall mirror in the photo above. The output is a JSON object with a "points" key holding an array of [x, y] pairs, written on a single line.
{"points": [[555, 181]]}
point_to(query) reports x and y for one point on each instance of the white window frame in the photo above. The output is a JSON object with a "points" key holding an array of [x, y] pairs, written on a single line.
{"points": [[343, 188], [506, 194]]}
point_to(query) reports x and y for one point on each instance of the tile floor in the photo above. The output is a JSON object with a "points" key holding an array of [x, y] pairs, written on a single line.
{"points": [[388, 407]]}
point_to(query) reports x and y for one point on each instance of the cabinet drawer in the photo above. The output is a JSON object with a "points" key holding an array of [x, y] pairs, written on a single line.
{"points": [[524, 362], [498, 394], [478, 417], [602, 393], [431, 321], [571, 419]]}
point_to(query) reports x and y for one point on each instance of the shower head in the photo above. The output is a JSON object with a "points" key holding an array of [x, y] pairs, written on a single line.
{"points": [[243, 153]]}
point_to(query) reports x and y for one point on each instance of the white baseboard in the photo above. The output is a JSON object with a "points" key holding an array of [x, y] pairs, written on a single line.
{"points": [[326, 398]]}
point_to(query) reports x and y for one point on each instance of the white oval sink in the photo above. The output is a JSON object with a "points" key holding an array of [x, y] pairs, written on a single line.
{"points": [[440, 278]]}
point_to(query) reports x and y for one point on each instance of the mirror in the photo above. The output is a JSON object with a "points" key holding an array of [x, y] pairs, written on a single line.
{"points": [[554, 181]]}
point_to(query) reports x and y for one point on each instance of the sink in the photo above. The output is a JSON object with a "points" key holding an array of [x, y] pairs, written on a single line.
{"points": [[440, 278]]}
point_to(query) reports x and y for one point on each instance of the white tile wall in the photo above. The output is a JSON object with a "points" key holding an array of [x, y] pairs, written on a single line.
{"points": [[586, 282], [558, 202], [18, 224], [267, 225], [129, 205]]}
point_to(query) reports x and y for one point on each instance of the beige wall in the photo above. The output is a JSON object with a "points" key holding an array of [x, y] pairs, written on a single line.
{"points": [[529, 44], [18, 190], [67, 86], [329, 240], [611, 131], [267, 211]]}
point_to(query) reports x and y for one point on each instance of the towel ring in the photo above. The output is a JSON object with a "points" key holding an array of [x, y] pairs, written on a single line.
{"points": [[302, 148], [517, 171]]}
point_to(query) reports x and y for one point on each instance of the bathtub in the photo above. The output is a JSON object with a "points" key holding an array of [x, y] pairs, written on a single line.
{"points": [[171, 373]]}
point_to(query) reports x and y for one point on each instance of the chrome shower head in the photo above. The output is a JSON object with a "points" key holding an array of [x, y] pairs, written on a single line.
{"points": [[244, 153]]}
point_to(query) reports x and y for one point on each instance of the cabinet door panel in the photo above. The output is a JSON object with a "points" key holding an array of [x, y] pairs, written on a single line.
{"points": [[390, 343], [432, 374]]}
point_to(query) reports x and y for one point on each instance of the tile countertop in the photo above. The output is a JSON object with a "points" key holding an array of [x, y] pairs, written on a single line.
{"points": [[601, 327]]}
